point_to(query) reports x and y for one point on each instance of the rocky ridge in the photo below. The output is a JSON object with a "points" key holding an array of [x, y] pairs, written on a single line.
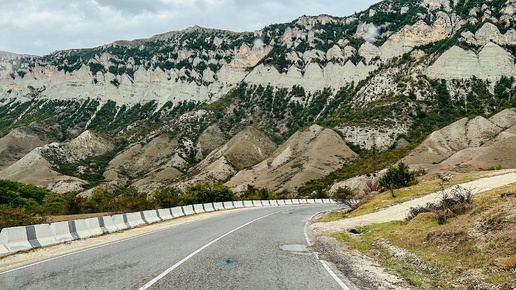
{"points": [[177, 105]]}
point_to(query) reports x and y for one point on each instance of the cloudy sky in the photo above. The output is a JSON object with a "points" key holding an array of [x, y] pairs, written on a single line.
{"points": [[43, 26]]}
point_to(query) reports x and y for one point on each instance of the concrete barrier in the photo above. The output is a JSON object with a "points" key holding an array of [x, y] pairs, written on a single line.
{"points": [[289, 202], [188, 209], [248, 203], [257, 203], [318, 201], [151, 216], [31, 236], [120, 221], [135, 219], [218, 206], [108, 225], [44, 235], [281, 202], [15, 239], [94, 226], [238, 204], [61, 232], [296, 201], [310, 201], [209, 207], [165, 214], [177, 211], [328, 200], [81, 228], [303, 201], [3, 250], [228, 205], [199, 208]]}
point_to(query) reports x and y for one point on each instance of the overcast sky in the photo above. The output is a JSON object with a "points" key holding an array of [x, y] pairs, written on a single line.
{"points": [[43, 26]]}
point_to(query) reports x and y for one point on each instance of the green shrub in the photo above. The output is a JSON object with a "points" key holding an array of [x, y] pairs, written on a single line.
{"points": [[346, 196], [398, 176], [12, 217], [167, 197]]}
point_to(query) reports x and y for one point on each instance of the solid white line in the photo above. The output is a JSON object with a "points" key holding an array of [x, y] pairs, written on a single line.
{"points": [[335, 277], [73, 253], [166, 272], [324, 263]]}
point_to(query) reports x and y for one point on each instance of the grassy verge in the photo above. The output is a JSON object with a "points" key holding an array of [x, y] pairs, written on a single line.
{"points": [[475, 250], [423, 188]]}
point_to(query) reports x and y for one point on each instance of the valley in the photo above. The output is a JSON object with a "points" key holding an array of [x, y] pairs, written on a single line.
{"points": [[293, 110]]}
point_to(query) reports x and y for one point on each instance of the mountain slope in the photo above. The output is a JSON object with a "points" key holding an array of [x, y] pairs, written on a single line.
{"points": [[384, 77], [470, 144], [18, 143], [309, 154]]}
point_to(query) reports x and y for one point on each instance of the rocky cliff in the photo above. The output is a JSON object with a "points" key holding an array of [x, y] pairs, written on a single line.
{"points": [[178, 107]]}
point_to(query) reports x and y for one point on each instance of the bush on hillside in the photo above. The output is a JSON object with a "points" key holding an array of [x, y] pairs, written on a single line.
{"points": [[398, 176], [346, 196], [455, 201]]}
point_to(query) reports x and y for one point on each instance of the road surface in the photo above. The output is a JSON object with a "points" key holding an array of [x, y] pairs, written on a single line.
{"points": [[261, 248]]}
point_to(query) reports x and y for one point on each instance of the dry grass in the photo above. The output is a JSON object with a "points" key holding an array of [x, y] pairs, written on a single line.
{"points": [[60, 218], [475, 250], [424, 187]]}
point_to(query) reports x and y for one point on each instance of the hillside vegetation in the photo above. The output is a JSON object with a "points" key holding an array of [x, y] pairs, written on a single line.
{"points": [[294, 108], [474, 250]]}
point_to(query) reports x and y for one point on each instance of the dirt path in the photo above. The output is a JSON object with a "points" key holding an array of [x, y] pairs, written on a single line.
{"points": [[399, 211]]}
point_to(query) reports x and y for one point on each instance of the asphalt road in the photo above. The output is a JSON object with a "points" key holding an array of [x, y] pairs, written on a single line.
{"points": [[262, 248]]}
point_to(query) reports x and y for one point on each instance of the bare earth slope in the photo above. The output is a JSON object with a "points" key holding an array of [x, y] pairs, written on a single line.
{"points": [[37, 166], [309, 154], [18, 143], [142, 158], [244, 150], [474, 144]]}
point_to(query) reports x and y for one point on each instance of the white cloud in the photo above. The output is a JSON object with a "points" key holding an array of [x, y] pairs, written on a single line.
{"points": [[42, 26]]}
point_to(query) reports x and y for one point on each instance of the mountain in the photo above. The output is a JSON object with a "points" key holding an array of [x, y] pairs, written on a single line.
{"points": [[174, 108]]}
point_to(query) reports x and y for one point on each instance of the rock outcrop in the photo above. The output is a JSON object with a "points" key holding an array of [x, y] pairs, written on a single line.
{"points": [[491, 63]]}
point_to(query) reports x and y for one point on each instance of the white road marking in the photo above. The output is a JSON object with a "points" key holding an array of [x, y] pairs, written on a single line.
{"points": [[324, 263], [166, 272], [74, 253]]}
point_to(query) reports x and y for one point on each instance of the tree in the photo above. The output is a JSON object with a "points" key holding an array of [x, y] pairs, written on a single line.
{"points": [[346, 196], [398, 176], [167, 197]]}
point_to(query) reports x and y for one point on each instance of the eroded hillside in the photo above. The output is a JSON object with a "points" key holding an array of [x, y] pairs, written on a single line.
{"points": [[173, 108]]}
